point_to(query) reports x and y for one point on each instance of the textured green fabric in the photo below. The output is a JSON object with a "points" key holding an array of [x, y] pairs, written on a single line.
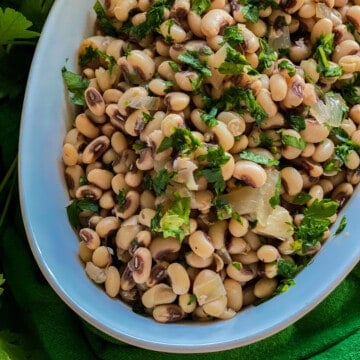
{"points": [[330, 331]]}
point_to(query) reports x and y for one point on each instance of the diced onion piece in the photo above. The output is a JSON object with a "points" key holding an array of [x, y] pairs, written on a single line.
{"points": [[280, 39], [278, 224], [329, 111], [144, 103], [322, 11]]}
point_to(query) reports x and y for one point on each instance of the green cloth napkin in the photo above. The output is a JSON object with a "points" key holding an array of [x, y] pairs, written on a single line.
{"points": [[330, 331]]}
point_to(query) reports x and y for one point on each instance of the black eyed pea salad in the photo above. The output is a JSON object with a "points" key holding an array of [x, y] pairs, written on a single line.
{"points": [[215, 144]]}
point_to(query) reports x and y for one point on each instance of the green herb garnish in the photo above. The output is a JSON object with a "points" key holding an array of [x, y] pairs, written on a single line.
{"points": [[76, 84], [258, 158], [181, 140], [77, 206]]}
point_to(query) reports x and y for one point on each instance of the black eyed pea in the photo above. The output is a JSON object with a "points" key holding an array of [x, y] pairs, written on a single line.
{"points": [[235, 123], [105, 79], [326, 185], [146, 215], [238, 272], [147, 200], [240, 144], [350, 63], [176, 101], [295, 91], [208, 286], [353, 177], [94, 101], [268, 253], [187, 302], [218, 263], [169, 29], [354, 113], [86, 126], [127, 282], [101, 257], [122, 9], [140, 265], [132, 202], [342, 192], [95, 273], [253, 239], [214, 21], [249, 172], [119, 142], [187, 80], [344, 48], [265, 287], [85, 253], [216, 307], [309, 67], [117, 120], [234, 294], [195, 117], [70, 154], [322, 27], [308, 10], [314, 131], [270, 270], [264, 98], [316, 192], [197, 261], [107, 200], [127, 96], [238, 228], [112, 282], [237, 245], [101, 178], [355, 137], [308, 151], [310, 96], [217, 233], [250, 257], [124, 161], [291, 180], [349, 126], [158, 294], [73, 174], [160, 87], [145, 161], [259, 28], [353, 15], [95, 149], [112, 96], [277, 87], [300, 50], [89, 192], [125, 235], [168, 313], [200, 244], [107, 226], [251, 44], [179, 278], [170, 123], [323, 151], [166, 71], [164, 249], [158, 274], [134, 177], [227, 169], [118, 184], [162, 48], [286, 247]]}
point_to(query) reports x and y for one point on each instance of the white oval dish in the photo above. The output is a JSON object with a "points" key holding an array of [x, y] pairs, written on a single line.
{"points": [[47, 114]]}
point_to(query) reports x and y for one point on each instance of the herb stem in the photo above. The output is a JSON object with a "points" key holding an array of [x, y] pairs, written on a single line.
{"points": [[7, 176], [8, 200]]}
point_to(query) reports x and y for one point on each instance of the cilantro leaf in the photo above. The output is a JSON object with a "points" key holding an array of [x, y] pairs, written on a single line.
{"points": [[266, 55], [14, 27], [301, 198], [76, 84], [224, 209], [342, 225], [191, 58], [289, 66], [258, 158], [176, 219], [200, 6], [297, 122], [93, 57], [293, 141], [284, 286], [181, 140], [160, 181], [233, 36], [286, 268], [104, 23], [210, 118], [235, 63], [73, 210], [275, 199]]}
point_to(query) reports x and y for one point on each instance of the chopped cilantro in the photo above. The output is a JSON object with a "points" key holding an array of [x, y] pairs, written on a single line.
{"points": [[233, 36], [147, 118], [286, 268], [284, 286], [191, 58], [92, 57], [76, 84], [210, 118], [275, 199], [138, 145], [265, 141], [297, 122], [174, 66], [289, 66], [266, 55], [121, 199], [103, 21], [237, 265], [224, 209], [351, 92], [77, 206], [192, 299], [293, 141], [83, 181], [235, 63], [181, 140], [342, 225], [251, 8], [258, 158], [301, 198], [173, 221], [159, 183], [200, 6]]}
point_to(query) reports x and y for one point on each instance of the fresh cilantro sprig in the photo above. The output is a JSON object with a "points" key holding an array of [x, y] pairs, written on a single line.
{"points": [[181, 140], [234, 36], [200, 6], [235, 63], [293, 141], [301, 198], [251, 8], [92, 57], [77, 206], [175, 221], [209, 118], [159, 182], [76, 84], [289, 66], [191, 58], [286, 268], [258, 158], [266, 56]]}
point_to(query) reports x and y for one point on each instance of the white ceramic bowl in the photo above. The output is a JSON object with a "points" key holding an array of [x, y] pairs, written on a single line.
{"points": [[47, 114]]}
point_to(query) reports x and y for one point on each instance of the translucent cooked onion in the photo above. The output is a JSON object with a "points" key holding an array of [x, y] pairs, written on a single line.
{"points": [[144, 103], [280, 39]]}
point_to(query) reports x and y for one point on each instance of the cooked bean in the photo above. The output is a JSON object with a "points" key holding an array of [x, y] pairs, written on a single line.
{"points": [[179, 278], [250, 172], [264, 287], [292, 180], [101, 257]]}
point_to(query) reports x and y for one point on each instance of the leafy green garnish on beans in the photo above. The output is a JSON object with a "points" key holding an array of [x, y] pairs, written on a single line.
{"points": [[77, 206], [191, 58], [235, 63], [290, 67], [200, 6], [315, 222], [224, 209], [284, 286], [301, 198], [275, 199], [266, 56], [104, 23], [154, 18], [175, 221], [342, 225], [252, 8], [351, 92], [233, 36], [181, 140], [76, 84], [297, 122], [209, 118], [286, 268], [159, 182], [258, 158], [94, 56], [293, 141]]}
